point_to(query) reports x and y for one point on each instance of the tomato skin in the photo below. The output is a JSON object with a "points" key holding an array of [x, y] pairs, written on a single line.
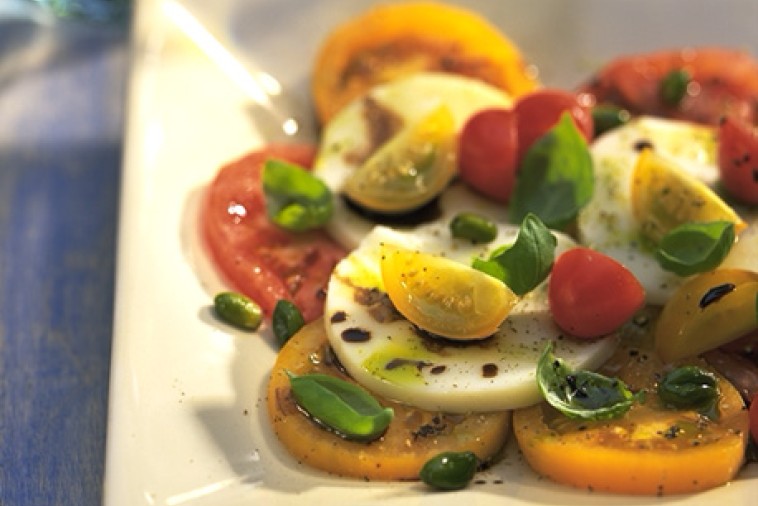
{"points": [[591, 294], [260, 259], [738, 159], [726, 83], [487, 151], [539, 111]]}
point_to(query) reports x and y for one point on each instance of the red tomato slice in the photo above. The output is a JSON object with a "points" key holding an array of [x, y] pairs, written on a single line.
{"points": [[738, 159], [724, 82], [263, 261], [487, 153], [591, 294], [539, 111]]}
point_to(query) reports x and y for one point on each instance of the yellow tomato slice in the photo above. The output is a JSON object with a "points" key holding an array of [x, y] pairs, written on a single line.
{"points": [[665, 196], [443, 296], [410, 169], [413, 437], [651, 450], [709, 310], [394, 40]]}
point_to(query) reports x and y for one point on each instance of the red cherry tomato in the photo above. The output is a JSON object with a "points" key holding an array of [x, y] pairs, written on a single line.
{"points": [[487, 153], [539, 111], [753, 413], [738, 159], [263, 261], [591, 294]]}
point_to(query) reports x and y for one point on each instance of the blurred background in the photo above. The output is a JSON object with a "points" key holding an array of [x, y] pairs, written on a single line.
{"points": [[63, 73]]}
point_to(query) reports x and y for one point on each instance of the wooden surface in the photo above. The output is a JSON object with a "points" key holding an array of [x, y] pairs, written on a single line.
{"points": [[61, 112]]}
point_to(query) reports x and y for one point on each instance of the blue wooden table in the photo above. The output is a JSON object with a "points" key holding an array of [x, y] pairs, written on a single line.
{"points": [[62, 87]]}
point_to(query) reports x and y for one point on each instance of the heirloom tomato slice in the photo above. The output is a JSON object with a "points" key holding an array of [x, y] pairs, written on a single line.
{"points": [[262, 260], [395, 40]]}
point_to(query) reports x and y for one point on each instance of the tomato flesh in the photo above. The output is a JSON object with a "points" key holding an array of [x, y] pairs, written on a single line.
{"points": [[413, 437], [260, 259], [724, 82], [591, 294], [539, 111], [738, 159], [487, 153], [651, 450]]}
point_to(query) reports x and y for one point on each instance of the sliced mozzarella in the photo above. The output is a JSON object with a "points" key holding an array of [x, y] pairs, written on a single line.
{"points": [[388, 355], [606, 223], [346, 140]]}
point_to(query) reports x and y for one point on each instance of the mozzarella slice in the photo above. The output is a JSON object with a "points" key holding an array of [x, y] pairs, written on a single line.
{"points": [[388, 355], [606, 223], [347, 138]]}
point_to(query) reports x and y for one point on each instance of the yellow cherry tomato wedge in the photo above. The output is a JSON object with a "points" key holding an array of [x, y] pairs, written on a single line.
{"points": [[445, 297], [709, 310], [395, 40], [651, 450], [413, 437], [410, 169], [665, 196]]}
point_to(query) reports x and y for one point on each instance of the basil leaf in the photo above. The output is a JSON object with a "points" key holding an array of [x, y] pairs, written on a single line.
{"points": [[341, 406], [690, 387], [527, 262], [695, 247], [295, 199], [581, 394], [556, 178]]}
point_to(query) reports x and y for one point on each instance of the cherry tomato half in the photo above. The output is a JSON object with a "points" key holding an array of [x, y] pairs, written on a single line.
{"points": [[539, 111], [591, 294], [487, 153], [738, 159]]}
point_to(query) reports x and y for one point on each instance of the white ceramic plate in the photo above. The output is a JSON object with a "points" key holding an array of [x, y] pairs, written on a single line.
{"points": [[187, 420]]}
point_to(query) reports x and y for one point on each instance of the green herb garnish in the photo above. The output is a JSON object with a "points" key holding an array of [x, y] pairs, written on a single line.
{"points": [[581, 394], [695, 247], [527, 262], [340, 406], [295, 199], [691, 387], [556, 178]]}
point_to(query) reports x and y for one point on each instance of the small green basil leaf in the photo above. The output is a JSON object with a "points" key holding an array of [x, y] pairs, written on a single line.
{"points": [[556, 178], [691, 387], [286, 320], [581, 394], [340, 406], [449, 470], [295, 199], [695, 247], [527, 262]]}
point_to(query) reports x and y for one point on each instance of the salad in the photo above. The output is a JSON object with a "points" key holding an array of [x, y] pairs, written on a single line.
{"points": [[473, 258]]}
